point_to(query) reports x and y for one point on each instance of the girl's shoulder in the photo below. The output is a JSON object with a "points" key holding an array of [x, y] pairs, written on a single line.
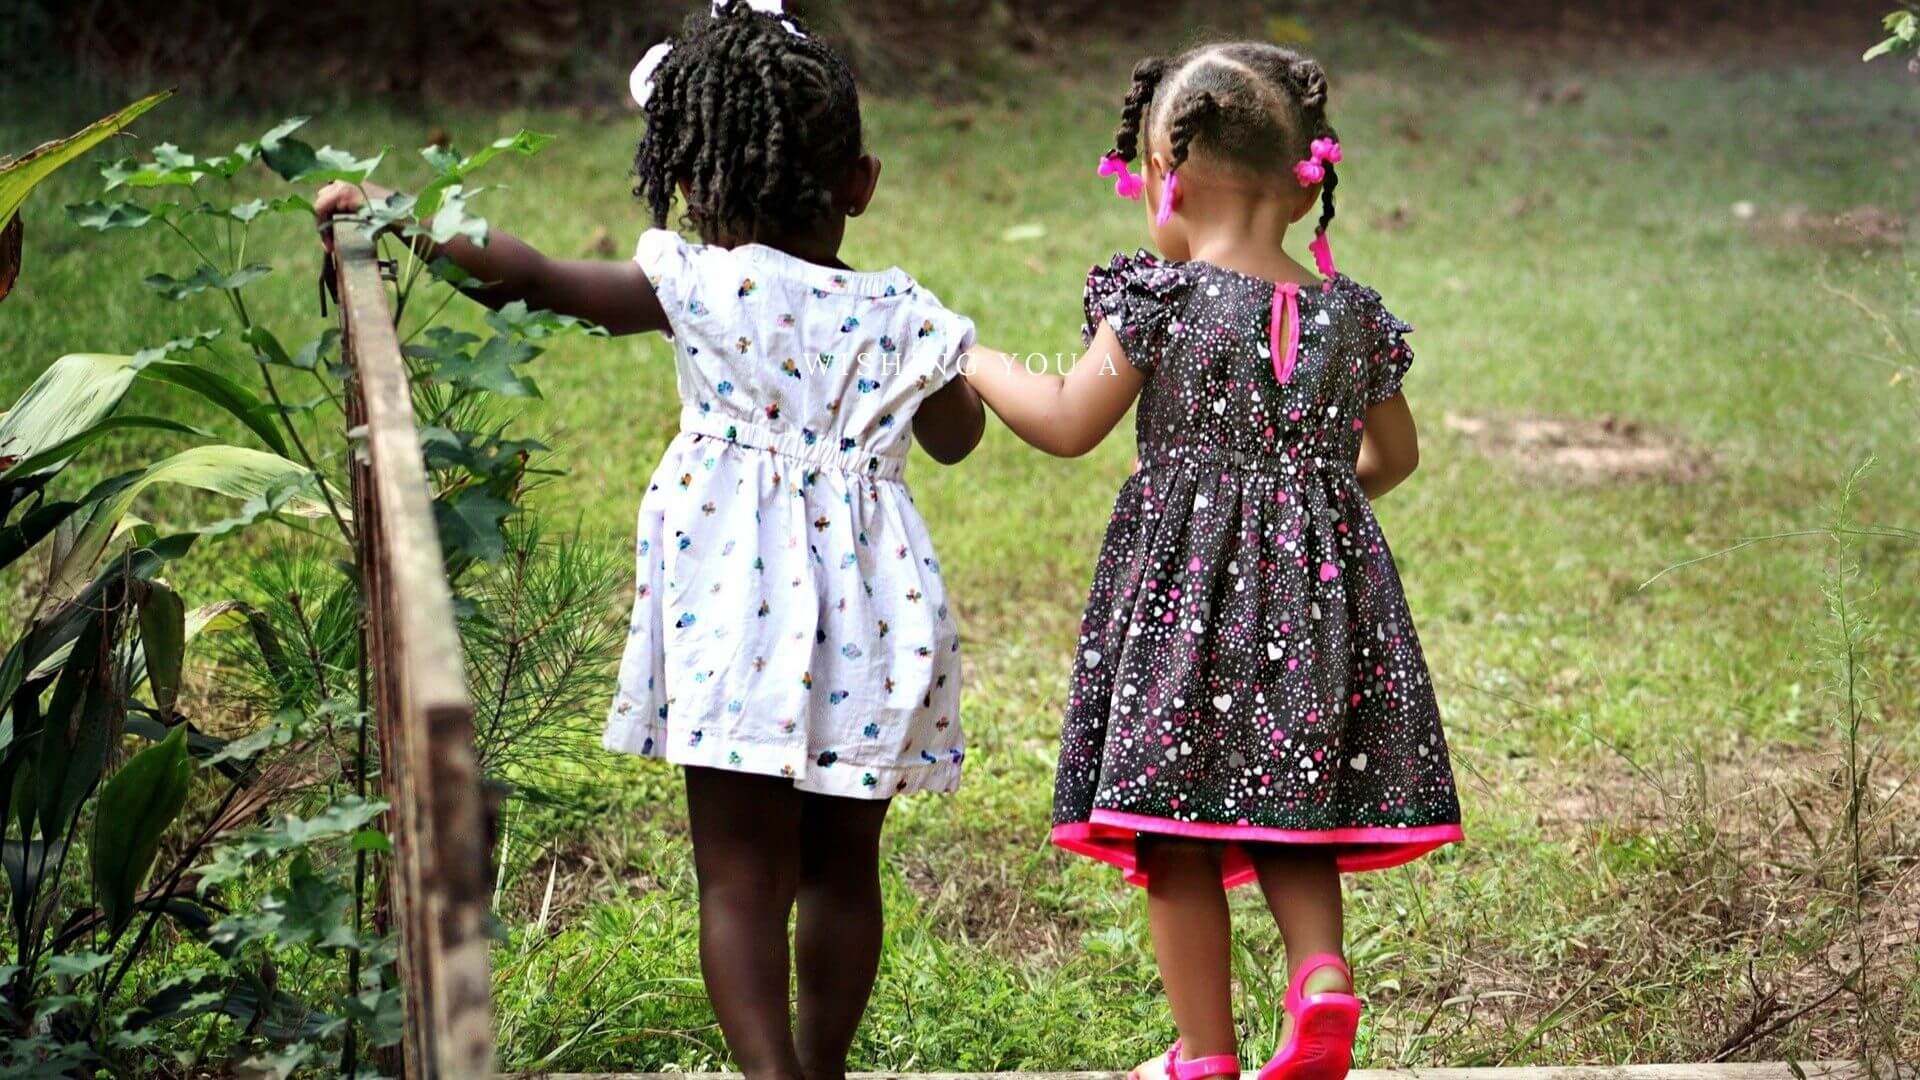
{"points": [[1140, 296], [1359, 309], [669, 259], [708, 282], [1142, 272]]}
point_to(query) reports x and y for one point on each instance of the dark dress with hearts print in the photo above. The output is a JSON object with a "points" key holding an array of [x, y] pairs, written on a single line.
{"points": [[1247, 671]]}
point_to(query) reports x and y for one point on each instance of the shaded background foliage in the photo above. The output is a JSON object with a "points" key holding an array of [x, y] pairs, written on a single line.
{"points": [[554, 51]]}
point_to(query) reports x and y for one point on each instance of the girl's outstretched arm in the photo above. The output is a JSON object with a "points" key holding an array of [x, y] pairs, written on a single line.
{"points": [[613, 295], [1389, 447], [1064, 415], [949, 422]]}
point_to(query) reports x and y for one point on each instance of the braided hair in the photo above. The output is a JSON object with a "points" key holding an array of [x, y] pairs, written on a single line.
{"points": [[1249, 104], [758, 124]]}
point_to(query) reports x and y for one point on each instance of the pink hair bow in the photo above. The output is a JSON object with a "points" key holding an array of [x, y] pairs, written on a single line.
{"points": [[1321, 153], [1127, 184]]}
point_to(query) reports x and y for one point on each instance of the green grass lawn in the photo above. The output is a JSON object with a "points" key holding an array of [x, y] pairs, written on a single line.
{"points": [[1647, 774]]}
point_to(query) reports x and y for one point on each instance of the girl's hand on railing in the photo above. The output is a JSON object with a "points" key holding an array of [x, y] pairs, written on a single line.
{"points": [[340, 199]]}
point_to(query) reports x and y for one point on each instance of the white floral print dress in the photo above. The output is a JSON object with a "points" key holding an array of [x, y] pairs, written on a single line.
{"points": [[790, 619]]}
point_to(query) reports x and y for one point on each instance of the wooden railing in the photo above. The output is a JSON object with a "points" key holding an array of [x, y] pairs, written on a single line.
{"points": [[439, 888]]}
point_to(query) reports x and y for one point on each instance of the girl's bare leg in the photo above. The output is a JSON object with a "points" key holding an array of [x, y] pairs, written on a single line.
{"points": [[1302, 887], [746, 853], [1187, 909], [837, 934]]}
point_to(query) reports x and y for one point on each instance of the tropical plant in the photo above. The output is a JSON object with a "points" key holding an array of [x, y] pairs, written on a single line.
{"points": [[101, 656], [531, 608], [19, 176]]}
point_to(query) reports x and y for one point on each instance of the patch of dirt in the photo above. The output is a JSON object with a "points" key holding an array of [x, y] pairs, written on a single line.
{"points": [[987, 903], [1608, 449], [1864, 227], [1747, 848]]}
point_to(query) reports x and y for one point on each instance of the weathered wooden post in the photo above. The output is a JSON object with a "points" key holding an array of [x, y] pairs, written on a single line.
{"points": [[440, 880]]}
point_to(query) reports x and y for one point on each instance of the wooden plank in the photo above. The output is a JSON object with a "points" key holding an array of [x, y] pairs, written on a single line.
{"points": [[430, 773], [1773, 1070]]}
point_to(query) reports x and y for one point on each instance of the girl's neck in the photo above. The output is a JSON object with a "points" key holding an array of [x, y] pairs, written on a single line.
{"points": [[1244, 230], [820, 246]]}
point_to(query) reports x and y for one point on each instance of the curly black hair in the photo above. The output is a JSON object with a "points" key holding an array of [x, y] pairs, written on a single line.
{"points": [[1247, 103], [758, 123]]}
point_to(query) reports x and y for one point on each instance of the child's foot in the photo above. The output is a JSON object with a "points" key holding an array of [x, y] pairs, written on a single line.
{"points": [[1171, 1066], [1323, 980], [1323, 1017]]}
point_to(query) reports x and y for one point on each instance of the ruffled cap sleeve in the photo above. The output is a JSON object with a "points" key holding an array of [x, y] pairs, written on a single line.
{"points": [[1140, 297], [1388, 355]]}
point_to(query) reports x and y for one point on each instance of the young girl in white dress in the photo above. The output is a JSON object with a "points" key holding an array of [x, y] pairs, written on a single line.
{"points": [[791, 643]]}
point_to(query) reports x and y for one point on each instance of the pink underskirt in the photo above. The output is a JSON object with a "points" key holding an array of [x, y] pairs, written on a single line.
{"points": [[1110, 837]]}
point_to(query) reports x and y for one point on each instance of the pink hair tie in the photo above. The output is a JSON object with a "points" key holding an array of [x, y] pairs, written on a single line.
{"points": [[1127, 184], [1322, 254], [1320, 154]]}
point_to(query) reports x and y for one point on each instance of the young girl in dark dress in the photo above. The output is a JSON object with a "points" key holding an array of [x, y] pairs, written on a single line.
{"points": [[1249, 700]]}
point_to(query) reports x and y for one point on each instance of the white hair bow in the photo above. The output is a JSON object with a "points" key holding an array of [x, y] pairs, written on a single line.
{"points": [[640, 83]]}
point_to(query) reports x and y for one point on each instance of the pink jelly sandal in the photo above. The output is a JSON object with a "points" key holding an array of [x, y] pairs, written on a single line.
{"points": [[1197, 1069], [1321, 1046]]}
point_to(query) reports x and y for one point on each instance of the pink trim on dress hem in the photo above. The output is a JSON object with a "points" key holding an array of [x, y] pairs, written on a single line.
{"points": [[1110, 838]]}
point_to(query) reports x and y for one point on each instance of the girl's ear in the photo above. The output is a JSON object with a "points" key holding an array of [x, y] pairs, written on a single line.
{"points": [[861, 182]]}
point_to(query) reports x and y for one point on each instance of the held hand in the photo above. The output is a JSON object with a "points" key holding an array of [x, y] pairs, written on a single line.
{"points": [[340, 199]]}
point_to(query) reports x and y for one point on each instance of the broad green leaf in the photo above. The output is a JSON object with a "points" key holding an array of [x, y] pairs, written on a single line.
{"points": [[170, 166], [204, 278], [479, 454], [469, 524], [22, 536], [277, 497], [392, 212], [450, 219], [163, 643], [51, 647], [102, 216], [237, 400], [59, 454], [266, 348], [232, 471], [343, 817], [315, 353], [80, 725], [537, 324], [216, 618], [133, 812], [298, 162], [287, 156], [76, 392], [332, 164], [180, 344], [27, 867], [452, 169], [492, 368], [22, 175], [77, 965], [285, 727]]}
